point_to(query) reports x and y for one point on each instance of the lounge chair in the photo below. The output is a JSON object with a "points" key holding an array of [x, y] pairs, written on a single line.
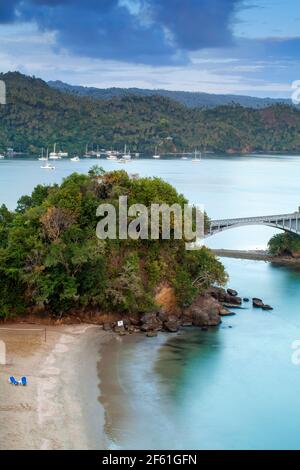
{"points": [[13, 381], [23, 381]]}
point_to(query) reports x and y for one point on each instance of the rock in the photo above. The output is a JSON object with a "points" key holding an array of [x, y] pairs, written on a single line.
{"points": [[245, 299], [151, 334], [120, 330], [222, 296], [150, 322], [204, 311], [106, 327], [257, 303], [224, 312], [171, 326], [163, 316], [232, 292], [267, 307]]}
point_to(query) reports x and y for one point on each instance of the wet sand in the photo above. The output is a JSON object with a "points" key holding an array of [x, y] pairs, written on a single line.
{"points": [[60, 407]]}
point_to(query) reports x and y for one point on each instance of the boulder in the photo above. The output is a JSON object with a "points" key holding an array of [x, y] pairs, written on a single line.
{"points": [[245, 299], [150, 322], [257, 303], [232, 292], [172, 326], [222, 296], [224, 312], [267, 307], [204, 311], [151, 334]]}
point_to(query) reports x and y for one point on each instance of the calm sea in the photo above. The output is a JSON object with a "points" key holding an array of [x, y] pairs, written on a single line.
{"points": [[234, 387]]}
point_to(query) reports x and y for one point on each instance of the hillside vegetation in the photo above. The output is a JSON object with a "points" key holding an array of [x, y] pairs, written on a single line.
{"points": [[52, 263], [37, 116], [191, 99]]}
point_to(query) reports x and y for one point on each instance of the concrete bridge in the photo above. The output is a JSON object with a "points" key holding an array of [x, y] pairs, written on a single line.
{"points": [[287, 222]]}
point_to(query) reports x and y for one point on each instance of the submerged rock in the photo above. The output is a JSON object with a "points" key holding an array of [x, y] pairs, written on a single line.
{"points": [[267, 307], [151, 334]]}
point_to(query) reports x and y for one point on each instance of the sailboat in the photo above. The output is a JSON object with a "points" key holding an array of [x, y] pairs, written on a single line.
{"points": [[126, 156], [54, 155], [156, 156], [47, 166], [42, 158], [196, 159], [87, 154]]}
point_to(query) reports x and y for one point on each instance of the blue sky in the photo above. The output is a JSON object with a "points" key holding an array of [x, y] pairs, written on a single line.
{"points": [[217, 46]]}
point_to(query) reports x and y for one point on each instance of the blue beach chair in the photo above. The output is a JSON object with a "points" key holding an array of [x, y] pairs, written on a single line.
{"points": [[13, 381], [23, 381]]}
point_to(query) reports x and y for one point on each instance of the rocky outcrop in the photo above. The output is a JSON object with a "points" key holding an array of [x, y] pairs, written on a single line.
{"points": [[224, 297], [151, 322], [204, 311]]}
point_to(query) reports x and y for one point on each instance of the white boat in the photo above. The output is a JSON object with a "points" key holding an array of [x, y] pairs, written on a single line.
{"points": [[75, 159], [48, 166], [126, 156], [156, 156], [54, 155], [1, 157], [63, 154], [87, 153], [196, 159], [42, 158], [112, 157], [184, 158]]}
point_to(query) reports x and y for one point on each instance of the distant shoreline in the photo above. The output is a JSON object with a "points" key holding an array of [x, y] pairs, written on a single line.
{"points": [[258, 255]]}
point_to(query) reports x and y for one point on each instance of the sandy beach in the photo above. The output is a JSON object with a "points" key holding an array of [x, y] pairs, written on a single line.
{"points": [[60, 407]]}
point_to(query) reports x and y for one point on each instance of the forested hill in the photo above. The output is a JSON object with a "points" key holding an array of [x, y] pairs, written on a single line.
{"points": [[37, 115], [191, 99]]}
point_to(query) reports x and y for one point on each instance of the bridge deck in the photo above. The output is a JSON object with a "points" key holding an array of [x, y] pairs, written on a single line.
{"points": [[286, 222]]}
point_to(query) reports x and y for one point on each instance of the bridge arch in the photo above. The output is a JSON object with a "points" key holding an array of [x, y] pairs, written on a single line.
{"points": [[287, 222]]}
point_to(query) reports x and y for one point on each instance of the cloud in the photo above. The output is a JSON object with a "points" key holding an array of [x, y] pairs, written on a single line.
{"points": [[152, 32]]}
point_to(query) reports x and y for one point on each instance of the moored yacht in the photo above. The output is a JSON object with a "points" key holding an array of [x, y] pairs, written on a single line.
{"points": [[47, 165], [126, 155], [54, 155]]}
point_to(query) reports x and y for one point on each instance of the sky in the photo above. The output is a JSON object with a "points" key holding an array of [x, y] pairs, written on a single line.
{"points": [[247, 47]]}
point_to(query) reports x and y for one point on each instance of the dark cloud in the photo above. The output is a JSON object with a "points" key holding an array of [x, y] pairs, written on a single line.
{"points": [[162, 32]]}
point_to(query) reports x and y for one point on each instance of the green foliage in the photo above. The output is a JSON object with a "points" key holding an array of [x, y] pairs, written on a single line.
{"points": [[284, 244], [37, 115], [50, 257]]}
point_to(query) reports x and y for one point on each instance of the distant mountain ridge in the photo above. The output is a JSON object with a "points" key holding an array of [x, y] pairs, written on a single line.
{"points": [[187, 98], [37, 115]]}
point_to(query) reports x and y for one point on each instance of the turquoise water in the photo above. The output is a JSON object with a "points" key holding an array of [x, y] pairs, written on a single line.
{"points": [[233, 387]]}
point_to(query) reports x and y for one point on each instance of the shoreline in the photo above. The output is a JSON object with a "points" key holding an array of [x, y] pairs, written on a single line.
{"points": [[60, 408], [257, 255]]}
